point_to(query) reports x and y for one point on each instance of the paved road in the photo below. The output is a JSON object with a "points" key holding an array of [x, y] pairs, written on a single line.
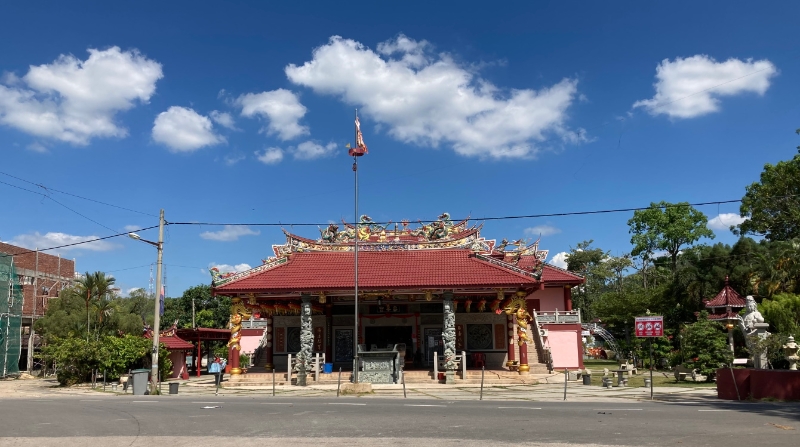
{"points": [[261, 420]]}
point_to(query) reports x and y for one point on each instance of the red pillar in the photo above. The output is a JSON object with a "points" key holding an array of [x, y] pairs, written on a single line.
{"points": [[511, 354], [269, 348], [567, 298], [199, 354]]}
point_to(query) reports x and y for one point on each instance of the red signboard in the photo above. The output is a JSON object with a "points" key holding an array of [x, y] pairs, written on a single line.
{"points": [[649, 326]]}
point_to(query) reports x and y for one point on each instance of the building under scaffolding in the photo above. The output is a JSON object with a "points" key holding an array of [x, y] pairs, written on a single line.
{"points": [[10, 317]]}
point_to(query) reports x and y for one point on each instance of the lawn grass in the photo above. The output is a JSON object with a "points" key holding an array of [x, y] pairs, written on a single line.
{"points": [[659, 379]]}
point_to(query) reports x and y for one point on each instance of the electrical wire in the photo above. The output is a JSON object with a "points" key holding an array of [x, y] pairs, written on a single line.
{"points": [[5, 255], [46, 188]]}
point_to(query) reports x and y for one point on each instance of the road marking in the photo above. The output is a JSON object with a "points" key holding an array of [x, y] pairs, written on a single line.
{"points": [[199, 416], [302, 413], [343, 403], [276, 403], [713, 410], [521, 408], [617, 409], [42, 400], [423, 405], [90, 400], [206, 402], [43, 423], [144, 401]]}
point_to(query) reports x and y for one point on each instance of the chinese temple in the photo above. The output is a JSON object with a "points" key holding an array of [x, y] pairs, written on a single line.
{"points": [[438, 289], [725, 308]]}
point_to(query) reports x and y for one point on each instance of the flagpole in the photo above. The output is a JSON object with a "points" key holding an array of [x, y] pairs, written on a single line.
{"points": [[355, 250]]}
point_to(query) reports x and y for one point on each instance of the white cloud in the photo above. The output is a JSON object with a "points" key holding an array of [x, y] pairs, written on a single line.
{"points": [[691, 87], [281, 107], [232, 159], [53, 239], [724, 221], [72, 100], [310, 150], [130, 228], [559, 260], [132, 289], [431, 100], [229, 233], [224, 119], [38, 147], [270, 155], [184, 130], [542, 230], [227, 268]]}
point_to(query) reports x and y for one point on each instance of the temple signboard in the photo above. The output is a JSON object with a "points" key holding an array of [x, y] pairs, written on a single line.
{"points": [[649, 326]]}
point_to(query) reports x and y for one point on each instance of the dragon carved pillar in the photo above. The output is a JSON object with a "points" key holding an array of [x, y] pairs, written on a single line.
{"points": [[238, 312], [449, 337], [306, 341]]}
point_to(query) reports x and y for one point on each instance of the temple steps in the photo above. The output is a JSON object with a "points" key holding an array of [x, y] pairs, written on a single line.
{"points": [[491, 377]]}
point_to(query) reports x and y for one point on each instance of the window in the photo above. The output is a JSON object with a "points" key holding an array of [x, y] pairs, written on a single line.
{"points": [[292, 339], [479, 336]]}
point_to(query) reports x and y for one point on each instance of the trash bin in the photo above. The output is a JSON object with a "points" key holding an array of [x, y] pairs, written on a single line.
{"points": [[139, 378], [327, 368], [173, 388], [587, 379]]}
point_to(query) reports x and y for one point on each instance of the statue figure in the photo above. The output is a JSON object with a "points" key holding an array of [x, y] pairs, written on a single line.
{"points": [[516, 307], [238, 312], [502, 247], [752, 317], [790, 350], [329, 234]]}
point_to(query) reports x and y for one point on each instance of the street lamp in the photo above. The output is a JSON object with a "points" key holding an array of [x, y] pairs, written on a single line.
{"points": [[157, 314]]}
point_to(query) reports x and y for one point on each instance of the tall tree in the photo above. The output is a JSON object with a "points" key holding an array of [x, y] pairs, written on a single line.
{"points": [[589, 262], [669, 227], [772, 205]]}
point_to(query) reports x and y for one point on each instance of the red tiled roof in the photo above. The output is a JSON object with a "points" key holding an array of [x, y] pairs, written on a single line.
{"points": [[723, 316], [726, 297], [171, 342], [551, 273], [452, 268]]}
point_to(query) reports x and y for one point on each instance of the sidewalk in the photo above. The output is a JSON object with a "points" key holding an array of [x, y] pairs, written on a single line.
{"points": [[544, 391]]}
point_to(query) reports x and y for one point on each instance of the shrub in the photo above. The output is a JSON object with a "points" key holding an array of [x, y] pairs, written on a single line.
{"points": [[705, 346]]}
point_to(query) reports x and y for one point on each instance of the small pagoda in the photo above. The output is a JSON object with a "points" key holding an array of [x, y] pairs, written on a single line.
{"points": [[725, 308]]}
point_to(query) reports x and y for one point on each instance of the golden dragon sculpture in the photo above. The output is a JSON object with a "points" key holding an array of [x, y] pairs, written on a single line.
{"points": [[516, 306], [238, 312]]}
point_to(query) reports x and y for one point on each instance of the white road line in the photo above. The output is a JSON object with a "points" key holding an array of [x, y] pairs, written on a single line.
{"points": [[302, 413], [618, 409], [90, 400], [144, 401], [199, 416], [521, 408], [206, 402], [43, 423], [343, 403], [276, 403], [423, 405], [713, 410]]}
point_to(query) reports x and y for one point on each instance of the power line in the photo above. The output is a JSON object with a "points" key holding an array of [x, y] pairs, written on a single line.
{"points": [[75, 243], [46, 188], [527, 216]]}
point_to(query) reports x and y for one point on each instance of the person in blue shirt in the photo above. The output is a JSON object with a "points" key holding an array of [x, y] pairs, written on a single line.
{"points": [[216, 368]]}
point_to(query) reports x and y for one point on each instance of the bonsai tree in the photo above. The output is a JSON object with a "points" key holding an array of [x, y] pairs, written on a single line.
{"points": [[705, 346]]}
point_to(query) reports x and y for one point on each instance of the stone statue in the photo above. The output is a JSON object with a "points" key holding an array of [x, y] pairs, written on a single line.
{"points": [[753, 316], [790, 350]]}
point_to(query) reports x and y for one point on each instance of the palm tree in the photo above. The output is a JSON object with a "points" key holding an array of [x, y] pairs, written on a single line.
{"points": [[94, 286]]}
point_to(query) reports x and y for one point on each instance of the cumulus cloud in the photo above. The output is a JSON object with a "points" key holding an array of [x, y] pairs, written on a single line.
{"points": [[270, 155], [542, 230], [183, 130], [224, 119], [432, 100], [725, 221], [227, 268], [691, 87], [310, 150], [75, 100], [35, 240], [229, 233], [280, 107], [232, 159], [559, 259], [130, 228]]}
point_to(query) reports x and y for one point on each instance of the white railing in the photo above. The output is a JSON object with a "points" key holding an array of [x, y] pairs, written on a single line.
{"points": [[563, 317], [317, 361]]}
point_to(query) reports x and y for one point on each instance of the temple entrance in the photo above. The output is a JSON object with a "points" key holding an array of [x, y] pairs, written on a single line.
{"points": [[382, 337]]}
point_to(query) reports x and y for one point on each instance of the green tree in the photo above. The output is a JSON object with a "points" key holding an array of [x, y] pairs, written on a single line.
{"points": [[782, 312], [667, 226], [772, 205], [588, 262], [209, 311], [705, 346]]}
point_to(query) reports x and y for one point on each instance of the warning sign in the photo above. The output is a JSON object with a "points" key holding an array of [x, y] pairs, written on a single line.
{"points": [[649, 326]]}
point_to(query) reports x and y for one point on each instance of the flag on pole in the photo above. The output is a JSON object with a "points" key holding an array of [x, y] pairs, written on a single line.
{"points": [[360, 138], [161, 300]]}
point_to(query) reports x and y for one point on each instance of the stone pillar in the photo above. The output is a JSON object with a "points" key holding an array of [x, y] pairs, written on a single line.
{"points": [[270, 345], [329, 333], [449, 337], [567, 298], [306, 341]]}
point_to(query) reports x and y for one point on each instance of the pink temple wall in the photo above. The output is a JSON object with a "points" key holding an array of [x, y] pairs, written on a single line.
{"points": [[565, 345], [550, 299]]}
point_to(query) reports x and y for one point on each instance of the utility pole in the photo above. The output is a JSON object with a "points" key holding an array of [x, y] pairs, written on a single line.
{"points": [[33, 317], [157, 315]]}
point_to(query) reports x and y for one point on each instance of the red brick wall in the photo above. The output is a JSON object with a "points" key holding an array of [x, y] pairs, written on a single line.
{"points": [[48, 267]]}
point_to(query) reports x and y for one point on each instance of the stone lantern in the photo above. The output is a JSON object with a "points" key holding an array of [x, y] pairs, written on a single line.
{"points": [[790, 350]]}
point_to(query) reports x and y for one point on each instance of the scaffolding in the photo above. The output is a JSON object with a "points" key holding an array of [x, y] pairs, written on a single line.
{"points": [[10, 317]]}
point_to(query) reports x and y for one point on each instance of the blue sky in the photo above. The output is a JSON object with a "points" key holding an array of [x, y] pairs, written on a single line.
{"points": [[240, 114]]}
